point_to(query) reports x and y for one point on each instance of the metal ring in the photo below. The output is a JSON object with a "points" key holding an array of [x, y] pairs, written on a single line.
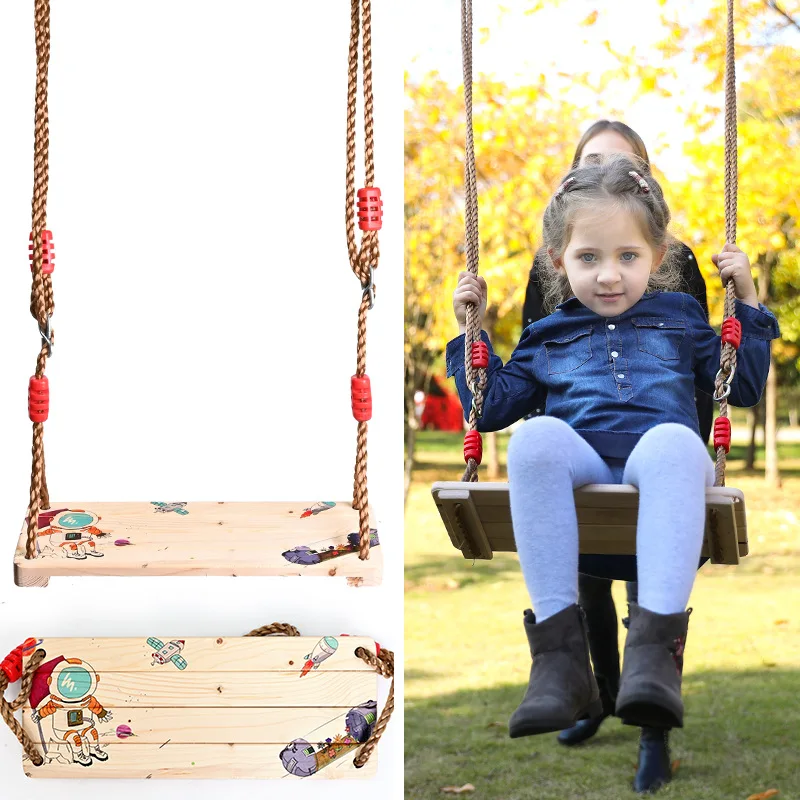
{"points": [[725, 392], [726, 379], [47, 336], [369, 288]]}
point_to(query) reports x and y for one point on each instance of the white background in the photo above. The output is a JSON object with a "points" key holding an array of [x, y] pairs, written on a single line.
{"points": [[205, 314]]}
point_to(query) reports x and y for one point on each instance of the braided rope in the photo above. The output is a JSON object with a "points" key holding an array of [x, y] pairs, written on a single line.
{"points": [[383, 664], [363, 258], [42, 302], [728, 351], [7, 708], [476, 377]]}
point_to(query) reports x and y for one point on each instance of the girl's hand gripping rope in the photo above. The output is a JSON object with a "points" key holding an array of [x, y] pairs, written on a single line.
{"points": [[470, 289], [733, 264]]}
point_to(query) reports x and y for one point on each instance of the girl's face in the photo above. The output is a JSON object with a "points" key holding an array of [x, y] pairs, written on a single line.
{"points": [[608, 260], [605, 143]]}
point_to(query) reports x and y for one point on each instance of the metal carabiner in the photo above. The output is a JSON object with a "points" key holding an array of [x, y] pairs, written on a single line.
{"points": [[727, 384], [369, 288], [47, 336]]}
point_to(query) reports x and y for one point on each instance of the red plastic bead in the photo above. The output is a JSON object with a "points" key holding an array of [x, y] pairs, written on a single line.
{"points": [[361, 396], [732, 332], [480, 354], [370, 209], [12, 664], [48, 254], [473, 446], [38, 399], [722, 433]]}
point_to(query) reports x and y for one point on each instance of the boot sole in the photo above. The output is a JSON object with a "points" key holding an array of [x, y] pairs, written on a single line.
{"points": [[536, 727], [644, 714]]}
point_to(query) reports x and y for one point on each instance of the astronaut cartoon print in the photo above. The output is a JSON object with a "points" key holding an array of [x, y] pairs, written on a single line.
{"points": [[70, 533], [67, 712]]}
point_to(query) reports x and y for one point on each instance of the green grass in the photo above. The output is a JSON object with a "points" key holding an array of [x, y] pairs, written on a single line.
{"points": [[466, 664]]}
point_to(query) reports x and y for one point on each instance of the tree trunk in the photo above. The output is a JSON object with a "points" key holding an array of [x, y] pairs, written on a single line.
{"points": [[753, 419], [411, 441], [772, 472]]}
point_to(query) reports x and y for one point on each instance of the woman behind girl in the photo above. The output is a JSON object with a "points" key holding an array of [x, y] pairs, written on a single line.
{"points": [[616, 364]]}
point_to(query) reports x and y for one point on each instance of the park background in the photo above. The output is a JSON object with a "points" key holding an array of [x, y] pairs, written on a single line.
{"points": [[544, 71]]}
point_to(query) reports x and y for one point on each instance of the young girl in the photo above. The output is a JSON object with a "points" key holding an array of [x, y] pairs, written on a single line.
{"points": [[616, 364]]}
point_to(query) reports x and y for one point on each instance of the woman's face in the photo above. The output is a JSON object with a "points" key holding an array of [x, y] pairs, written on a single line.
{"points": [[605, 143]]}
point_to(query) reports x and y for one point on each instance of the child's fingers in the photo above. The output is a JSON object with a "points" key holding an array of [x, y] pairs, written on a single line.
{"points": [[730, 248]]}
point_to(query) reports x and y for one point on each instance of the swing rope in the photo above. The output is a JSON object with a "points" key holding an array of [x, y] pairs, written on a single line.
{"points": [[11, 670], [475, 354], [731, 329], [476, 375], [363, 258], [42, 302]]}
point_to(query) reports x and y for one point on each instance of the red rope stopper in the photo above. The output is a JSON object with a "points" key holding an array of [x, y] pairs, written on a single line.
{"points": [[38, 399], [473, 446], [722, 433], [732, 332], [361, 397], [12, 664], [480, 354], [48, 254], [370, 209]]}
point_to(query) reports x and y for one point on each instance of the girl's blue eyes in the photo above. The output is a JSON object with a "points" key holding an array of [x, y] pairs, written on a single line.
{"points": [[587, 258]]}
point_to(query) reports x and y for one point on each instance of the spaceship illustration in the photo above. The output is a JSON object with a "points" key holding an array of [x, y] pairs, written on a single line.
{"points": [[168, 652], [323, 650], [306, 555], [317, 508], [165, 508], [302, 758]]}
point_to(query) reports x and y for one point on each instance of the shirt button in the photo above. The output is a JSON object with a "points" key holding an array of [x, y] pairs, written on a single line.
{"points": [[660, 324], [614, 354], [620, 376], [612, 327]]}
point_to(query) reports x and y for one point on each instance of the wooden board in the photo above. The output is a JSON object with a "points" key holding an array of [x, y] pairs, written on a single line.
{"points": [[478, 519], [158, 538], [168, 707]]}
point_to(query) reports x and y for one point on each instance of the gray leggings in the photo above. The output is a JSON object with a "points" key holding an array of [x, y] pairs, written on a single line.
{"points": [[671, 468]]}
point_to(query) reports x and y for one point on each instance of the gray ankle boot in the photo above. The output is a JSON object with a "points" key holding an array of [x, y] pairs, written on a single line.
{"points": [[650, 687], [562, 688]]}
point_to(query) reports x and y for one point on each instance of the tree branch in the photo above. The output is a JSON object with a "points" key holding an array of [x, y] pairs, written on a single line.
{"points": [[788, 17]]}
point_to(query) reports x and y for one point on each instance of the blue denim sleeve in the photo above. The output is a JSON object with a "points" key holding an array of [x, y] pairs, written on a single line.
{"points": [[511, 390], [759, 327]]}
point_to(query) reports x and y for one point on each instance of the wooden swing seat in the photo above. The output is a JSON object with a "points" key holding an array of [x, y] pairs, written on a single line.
{"points": [[138, 538], [269, 707], [478, 519]]}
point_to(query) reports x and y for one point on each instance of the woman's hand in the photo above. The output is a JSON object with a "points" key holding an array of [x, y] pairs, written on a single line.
{"points": [[470, 289], [734, 265]]}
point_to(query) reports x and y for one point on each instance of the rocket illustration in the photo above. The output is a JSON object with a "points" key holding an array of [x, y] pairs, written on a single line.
{"points": [[168, 652], [323, 650], [317, 508]]}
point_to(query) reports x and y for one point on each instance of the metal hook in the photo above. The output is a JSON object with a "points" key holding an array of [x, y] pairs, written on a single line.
{"points": [[47, 336], [369, 288]]}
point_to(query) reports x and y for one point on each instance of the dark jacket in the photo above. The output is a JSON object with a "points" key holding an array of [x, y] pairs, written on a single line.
{"points": [[693, 283], [613, 378]]}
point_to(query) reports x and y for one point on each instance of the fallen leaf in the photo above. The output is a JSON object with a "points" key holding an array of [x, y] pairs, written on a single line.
{"points": [[467, 787], [781, 621], [590, 20], [675, 764], [495, 725], [764, 795]]}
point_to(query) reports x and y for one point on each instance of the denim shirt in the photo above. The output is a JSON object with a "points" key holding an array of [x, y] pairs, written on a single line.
{"points": [[614, 378]]}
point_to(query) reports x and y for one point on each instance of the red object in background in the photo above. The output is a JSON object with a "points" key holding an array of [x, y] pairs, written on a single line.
{"points": [[442, 411], [722, 433], [48, 254]]}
